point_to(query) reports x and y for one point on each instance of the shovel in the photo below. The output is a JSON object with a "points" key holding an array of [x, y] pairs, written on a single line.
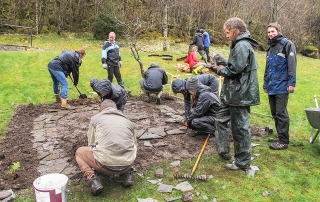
{"points": [[82, 96]]}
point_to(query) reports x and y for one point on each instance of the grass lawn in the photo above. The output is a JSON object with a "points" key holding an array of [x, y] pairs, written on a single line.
{"points": [[289, 175]]}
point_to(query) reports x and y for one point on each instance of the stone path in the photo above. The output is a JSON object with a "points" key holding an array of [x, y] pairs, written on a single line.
{"points": [[53, 158]]}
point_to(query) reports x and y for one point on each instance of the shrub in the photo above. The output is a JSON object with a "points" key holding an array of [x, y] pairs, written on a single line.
{"points": [[103, 25], [310, 51]]}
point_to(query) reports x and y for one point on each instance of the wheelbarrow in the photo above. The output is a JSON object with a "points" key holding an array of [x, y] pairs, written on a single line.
{"points": [[313, 115]]}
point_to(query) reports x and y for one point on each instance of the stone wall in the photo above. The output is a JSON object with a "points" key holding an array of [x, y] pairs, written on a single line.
{"points": [[4, 47]]}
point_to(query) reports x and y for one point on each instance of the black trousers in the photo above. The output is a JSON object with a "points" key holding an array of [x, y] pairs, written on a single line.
{"points": [[278, 107], [206, 49], [204, 124], [116, 71]]}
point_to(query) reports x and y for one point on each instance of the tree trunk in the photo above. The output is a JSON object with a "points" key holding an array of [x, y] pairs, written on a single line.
{"points": [[165, 27]]}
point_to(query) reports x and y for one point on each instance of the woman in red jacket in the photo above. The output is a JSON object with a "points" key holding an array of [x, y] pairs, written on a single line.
{"points": [[192, 59]]}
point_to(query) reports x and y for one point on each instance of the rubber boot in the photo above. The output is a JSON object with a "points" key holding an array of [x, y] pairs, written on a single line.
{"points": [[159, 98], [149, 97], [128, 178], [58, 98], [65, 105], [95, 186]]}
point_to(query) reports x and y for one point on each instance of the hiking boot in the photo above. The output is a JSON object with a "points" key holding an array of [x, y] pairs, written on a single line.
{"points": [[278, 146], [95, 186], [233, 166], [65, 105], [58, 98], [225, 156], [128, 178], [273, 139], [158, 101]]}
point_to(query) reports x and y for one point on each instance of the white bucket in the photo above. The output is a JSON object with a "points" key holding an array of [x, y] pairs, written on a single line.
{"points": [[51, 188]]}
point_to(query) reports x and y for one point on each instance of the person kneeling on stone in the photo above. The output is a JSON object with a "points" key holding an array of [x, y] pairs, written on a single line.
{"points": [[112, 147], [202, 117], [179, 86], [153, 80], [107, 90]]}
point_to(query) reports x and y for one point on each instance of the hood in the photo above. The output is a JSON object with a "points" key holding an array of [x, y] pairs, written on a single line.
{"points": [[153, 65], [178, 85], [275, 40], [245, 36], [103, 86]]}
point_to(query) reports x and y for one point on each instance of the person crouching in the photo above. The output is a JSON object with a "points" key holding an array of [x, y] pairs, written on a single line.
{"points": [[112, 147]]}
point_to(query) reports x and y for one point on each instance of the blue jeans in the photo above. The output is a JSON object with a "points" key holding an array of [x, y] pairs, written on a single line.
{"points": [[59, 77]]}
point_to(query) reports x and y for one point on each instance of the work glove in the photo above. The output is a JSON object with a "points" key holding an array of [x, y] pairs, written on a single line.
{"points": [[105, 66], [220, 60], [120, 64], [189, 123]]}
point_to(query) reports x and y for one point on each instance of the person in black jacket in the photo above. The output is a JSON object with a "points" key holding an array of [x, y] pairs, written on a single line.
{"points": [[179, 86], [60, 68], [107, 90], [202, 117], [111, 59], [198, 40], [153, 80]]}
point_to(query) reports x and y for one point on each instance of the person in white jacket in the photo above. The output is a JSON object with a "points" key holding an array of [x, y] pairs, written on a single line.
{"points": [[112, 147]]}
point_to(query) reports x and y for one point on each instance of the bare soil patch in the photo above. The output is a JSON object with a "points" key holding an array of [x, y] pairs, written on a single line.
{"points": [[18, 146]]}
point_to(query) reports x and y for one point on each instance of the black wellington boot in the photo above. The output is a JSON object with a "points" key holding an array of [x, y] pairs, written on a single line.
{"points": [[95, 186], [128, 178]]}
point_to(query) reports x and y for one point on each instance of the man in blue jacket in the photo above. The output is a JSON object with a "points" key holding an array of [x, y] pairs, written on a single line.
{"points": [[206, 43], [279, 81], [152, 82]]}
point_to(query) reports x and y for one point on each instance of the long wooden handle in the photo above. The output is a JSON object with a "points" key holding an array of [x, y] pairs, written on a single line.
{"points": [[200, 154]]}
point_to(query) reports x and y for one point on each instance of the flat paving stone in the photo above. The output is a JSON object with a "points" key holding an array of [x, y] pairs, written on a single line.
{"points": [[150, 136], [184, 186], [165, 188], [175, 132]]}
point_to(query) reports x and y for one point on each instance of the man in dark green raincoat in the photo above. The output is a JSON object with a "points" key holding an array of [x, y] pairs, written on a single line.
{"points": [[240, 90]]}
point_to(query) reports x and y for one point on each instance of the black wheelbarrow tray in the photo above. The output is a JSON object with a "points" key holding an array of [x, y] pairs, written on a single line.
{"points": [[313, 115]]}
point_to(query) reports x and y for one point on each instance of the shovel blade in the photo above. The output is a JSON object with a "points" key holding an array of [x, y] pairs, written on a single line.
{"points": [[83, 96]]}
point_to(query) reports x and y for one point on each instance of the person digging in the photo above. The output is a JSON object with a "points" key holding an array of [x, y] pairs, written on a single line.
{"points": [[112, 147], [60, 68], [107, 90], [202, 117]]}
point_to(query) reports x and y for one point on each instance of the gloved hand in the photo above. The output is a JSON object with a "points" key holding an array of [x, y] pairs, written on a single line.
{"points": [[214, 69], [105, 66], [189, 123], [120, 64], [220, 60]]}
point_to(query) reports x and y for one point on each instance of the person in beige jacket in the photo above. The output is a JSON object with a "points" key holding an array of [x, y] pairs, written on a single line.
{"points": [[112, 147]]}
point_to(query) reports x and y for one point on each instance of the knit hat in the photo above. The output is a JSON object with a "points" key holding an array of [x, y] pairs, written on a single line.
{"points": [[192, 83]]}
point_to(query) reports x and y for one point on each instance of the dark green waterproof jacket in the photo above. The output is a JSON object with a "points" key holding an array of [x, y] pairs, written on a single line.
{"points": [[240, 86]]}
